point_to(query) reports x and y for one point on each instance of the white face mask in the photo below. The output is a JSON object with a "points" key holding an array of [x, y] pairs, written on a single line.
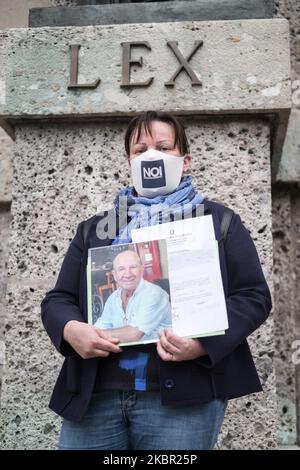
{"points": [[156, 173]]}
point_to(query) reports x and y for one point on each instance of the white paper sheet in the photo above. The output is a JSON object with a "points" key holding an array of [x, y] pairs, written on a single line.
{"points": [[197, 296]]}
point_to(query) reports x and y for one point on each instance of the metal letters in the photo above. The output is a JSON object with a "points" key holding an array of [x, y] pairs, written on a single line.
{"points": [[128, 62], [74, 71], [184, 63]]}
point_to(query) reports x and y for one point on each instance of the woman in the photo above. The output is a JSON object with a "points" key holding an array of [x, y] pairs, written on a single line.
{"points": [[173, 394]]}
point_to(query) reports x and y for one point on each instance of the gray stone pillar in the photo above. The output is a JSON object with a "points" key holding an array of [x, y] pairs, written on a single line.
{"points": [[66, 166], [296, 241], [284, 297], [286, 202], [6, 149]]}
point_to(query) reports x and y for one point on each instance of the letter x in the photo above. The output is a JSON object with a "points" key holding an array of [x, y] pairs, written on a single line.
{"points": [[184, 63]]}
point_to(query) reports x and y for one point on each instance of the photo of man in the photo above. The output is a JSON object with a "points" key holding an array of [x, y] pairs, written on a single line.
{"points": [[137, 309]]}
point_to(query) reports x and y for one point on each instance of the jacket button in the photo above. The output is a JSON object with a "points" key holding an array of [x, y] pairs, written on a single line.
{"points": [[169, 384]]}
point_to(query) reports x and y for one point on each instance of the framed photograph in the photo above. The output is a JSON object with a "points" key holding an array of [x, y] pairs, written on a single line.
{"points": [[129, 290]]}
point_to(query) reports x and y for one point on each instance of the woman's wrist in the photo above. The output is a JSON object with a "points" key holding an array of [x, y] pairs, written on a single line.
{"points": [[67, 328]]}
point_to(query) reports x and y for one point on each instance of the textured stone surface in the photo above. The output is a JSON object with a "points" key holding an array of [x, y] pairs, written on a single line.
{"points": [[25, 421], [289, 169], [6, 151], [14, 13], [288, 386], [286, 224], [243, 65], [290, 9], [76, 169], [5, 218], [284, 311], [145, 12]]}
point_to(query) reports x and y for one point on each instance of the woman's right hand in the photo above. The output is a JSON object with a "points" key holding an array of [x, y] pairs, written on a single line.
{"points": [[89, 341]]}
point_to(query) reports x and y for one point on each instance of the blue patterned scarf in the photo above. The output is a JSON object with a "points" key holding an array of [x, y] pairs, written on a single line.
{"points": [[145, 211]]}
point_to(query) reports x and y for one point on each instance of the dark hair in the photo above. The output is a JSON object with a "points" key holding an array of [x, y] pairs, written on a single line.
{"points": [[145, 119]]}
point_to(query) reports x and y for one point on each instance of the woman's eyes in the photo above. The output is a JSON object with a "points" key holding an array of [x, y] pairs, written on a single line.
{"points": [[161, 149]]}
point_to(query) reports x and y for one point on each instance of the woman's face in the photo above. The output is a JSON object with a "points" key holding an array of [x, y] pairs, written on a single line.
{"points": [[162, 139]]}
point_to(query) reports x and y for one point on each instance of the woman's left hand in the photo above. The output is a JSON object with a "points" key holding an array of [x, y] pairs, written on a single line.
{"points": [[173, 348]]}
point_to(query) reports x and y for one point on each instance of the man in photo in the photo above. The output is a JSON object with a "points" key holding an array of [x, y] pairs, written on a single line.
{"points": [[138, 309]]}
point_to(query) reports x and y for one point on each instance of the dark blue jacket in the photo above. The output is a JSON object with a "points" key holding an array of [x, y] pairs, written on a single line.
{"points": [[227, 371]]}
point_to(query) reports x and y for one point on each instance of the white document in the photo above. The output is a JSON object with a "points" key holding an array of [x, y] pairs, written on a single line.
{"points": [[197, 296]]}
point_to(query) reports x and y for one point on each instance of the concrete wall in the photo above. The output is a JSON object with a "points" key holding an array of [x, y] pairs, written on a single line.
{"points": [[286, 223], [286, 205], [284, 296], [296, 240], [6, 150], [289, 170], [243, 65]]}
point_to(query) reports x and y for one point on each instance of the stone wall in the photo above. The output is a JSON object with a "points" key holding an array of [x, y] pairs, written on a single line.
{"points": [[296, 241], [285, 214], [286, 222], [289, 170], [284, 297], [62, 175], [6, 149]]}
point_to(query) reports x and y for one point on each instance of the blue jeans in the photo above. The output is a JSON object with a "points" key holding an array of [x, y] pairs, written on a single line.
{"points": [[137, 421]]}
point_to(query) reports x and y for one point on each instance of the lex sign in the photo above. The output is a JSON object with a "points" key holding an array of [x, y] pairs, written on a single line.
{"points": [[128, 62]]}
